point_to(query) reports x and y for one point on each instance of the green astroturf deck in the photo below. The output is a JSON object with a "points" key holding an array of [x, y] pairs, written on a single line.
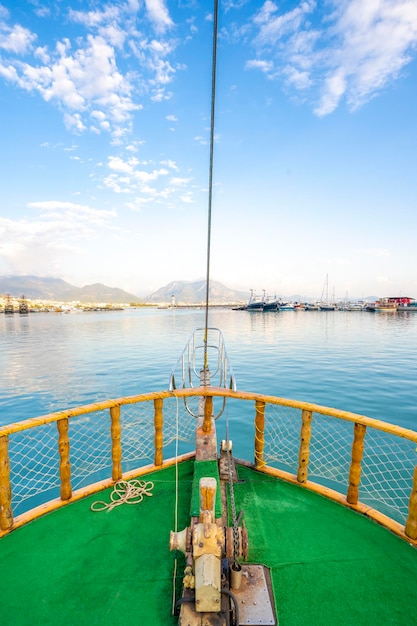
{"points": [[329, 566]]}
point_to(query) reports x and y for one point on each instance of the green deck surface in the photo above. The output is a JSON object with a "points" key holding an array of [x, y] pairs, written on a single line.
{"points": [[329, 566]]}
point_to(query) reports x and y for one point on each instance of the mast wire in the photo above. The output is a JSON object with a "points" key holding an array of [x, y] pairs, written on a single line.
{"points": [[210, 189]]}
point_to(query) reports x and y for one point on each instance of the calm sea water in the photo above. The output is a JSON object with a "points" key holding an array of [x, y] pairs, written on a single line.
{"points": [[361, 362]]}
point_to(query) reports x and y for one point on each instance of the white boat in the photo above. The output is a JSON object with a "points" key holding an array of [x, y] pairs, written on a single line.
{"points": [[271, 304], [255, 303], [324, 304]]}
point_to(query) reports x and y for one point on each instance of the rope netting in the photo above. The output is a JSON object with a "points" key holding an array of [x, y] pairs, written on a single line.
{"points": [[34, 467], [386, 470], [90, 448], [34, 458]]}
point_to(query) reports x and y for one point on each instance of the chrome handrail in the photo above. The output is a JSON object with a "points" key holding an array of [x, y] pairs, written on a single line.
{"points": [[191, 362]]}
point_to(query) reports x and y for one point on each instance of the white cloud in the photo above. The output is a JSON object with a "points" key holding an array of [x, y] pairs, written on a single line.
{"points": [[300, 80], [142, 176], [377, 40], [93, 19], [138, 203], [35, 245], [74, 122], [9, 73], [158, 14], [42, 54], [349, 53], [117, 164], [334, 88], [273, 27], [105, 70], [264, 66], [171, 164], [79, 82], [117, 184], [187, 198], [159, 95], [179, 182], [17, 39], [71, 210], [145, 181]]}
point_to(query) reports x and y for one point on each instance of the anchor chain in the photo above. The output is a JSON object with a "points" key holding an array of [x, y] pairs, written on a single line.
{"points": [[233, 507]]}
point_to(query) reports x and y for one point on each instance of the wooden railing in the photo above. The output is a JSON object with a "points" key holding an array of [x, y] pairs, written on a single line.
{"points": [[262, 405]]}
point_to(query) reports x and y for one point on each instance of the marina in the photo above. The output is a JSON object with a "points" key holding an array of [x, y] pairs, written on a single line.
{"points": [[391, 304]]}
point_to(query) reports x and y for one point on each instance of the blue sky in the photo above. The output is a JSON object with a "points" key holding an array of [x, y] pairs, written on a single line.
{"points": [[105, 115]]}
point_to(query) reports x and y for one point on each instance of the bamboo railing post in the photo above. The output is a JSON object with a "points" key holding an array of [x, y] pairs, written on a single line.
{"points": [[304, 452], [158, 424], [6, 517], [208, 412], [116, 443], [259, 433], [358, 444], [411, 524], [64, 462]]}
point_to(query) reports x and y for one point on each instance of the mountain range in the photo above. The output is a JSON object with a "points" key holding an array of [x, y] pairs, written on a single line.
{"points": [[184, 292], [188, 292], [58, 290]]}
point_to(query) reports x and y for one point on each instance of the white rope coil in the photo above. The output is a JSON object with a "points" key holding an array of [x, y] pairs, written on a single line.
{"points": [[125, 492]]}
